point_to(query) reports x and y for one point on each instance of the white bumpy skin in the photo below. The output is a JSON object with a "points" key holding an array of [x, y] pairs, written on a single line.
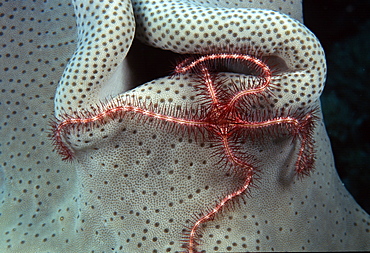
{"points": [[133, 186], [187, 27]]}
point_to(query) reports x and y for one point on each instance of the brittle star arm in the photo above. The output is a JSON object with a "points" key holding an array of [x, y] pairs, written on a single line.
{"points": [[103, 114], [301, 127]]}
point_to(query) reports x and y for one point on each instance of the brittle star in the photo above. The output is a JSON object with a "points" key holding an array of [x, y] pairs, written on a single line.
{"points": [[224, 119]]}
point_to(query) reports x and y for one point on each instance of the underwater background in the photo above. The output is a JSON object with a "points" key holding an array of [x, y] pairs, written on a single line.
{"points": [[343, 27]]}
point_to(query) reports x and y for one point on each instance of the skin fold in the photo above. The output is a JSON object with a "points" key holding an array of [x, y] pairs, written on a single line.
{"points": [[138, 185]]}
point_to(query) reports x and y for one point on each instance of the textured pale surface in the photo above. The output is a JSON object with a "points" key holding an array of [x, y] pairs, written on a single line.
{"points": [[37, 189], [105, 32], [133, 186], [189, 26]]}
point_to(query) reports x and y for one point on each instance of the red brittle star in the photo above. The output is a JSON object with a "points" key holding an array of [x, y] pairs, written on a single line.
{"points": [[223, 116]]}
